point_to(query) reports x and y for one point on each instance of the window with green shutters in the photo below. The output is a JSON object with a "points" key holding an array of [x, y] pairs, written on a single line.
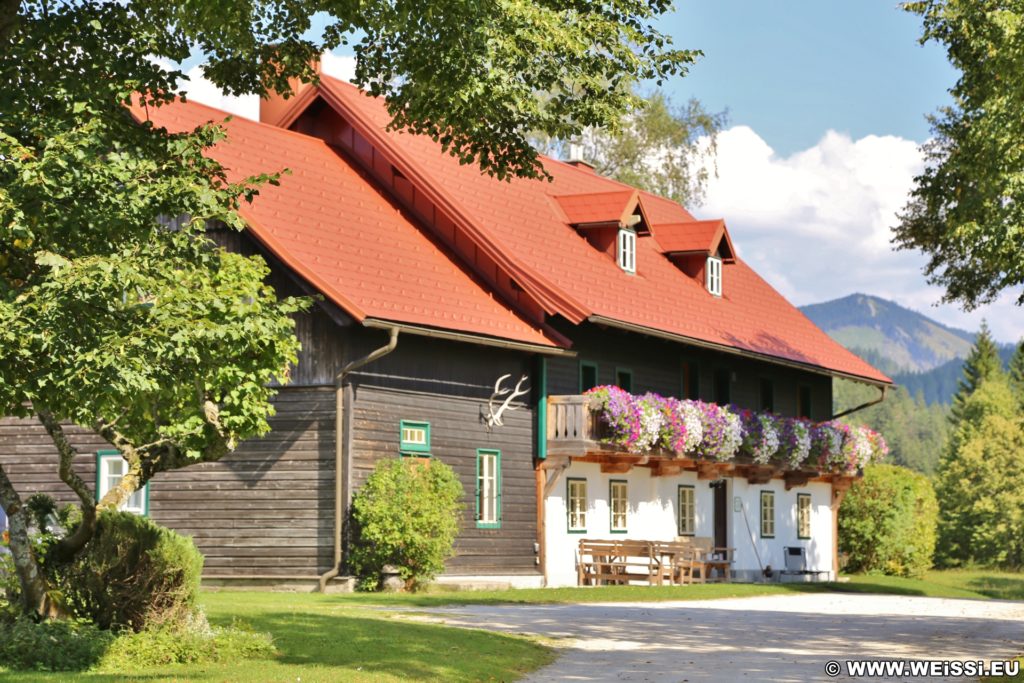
{"points": [[618, 505], [576, 505], [488, 489], [687, 511], [803, 515], [767, 514]]}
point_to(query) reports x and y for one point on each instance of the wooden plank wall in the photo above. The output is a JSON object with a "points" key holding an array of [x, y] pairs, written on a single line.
{"points": [[657, 366], [265, 509], [456, 433]]}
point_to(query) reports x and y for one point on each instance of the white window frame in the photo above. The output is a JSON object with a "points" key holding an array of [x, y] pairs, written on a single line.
{"points": [[625, 247], [687, 512], [618, 505], [488, 485], [713, 275], [803, 516], [767, 514], [138, 502], [576, 505]]}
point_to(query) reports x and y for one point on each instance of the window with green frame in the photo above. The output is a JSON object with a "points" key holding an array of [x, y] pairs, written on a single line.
{"points": [[618, 505], [110, 468], [624, 379], [687, 510], [413, 438], [803, 515], [767, 514], [488, 489], [576, 505], [588, 375]]}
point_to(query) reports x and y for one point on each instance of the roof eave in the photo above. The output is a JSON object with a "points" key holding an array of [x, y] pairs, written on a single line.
{"points": [[468, 337]]}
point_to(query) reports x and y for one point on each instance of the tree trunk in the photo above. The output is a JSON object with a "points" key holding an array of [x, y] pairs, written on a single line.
{"points": [[71, 545], [35, 590]]}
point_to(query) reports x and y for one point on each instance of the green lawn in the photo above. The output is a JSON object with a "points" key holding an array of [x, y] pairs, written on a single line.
{"points": [[357, 638]]}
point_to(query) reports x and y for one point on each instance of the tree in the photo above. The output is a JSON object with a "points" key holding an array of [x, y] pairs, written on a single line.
{"points": [[982, 363], [966, 211], [1016, 373], [887, 522], [981, 482], [658, 147], [115, 311]]}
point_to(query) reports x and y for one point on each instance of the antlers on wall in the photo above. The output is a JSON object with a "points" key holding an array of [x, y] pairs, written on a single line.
{"points": [[494, 415]]}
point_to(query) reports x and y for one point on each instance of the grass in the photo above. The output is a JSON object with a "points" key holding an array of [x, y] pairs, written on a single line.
{"points": [[358, 638]]}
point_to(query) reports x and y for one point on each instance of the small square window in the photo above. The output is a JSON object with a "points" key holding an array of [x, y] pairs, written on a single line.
{"points": [[414, 437], [627, 250], [713, 275], [110, 469]]}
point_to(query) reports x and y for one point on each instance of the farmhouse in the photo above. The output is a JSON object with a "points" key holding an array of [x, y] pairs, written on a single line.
{"points": [[462, 318]]}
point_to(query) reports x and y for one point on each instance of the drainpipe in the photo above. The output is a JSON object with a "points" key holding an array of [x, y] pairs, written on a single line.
{"points": [[340, 466], [881, 397]]}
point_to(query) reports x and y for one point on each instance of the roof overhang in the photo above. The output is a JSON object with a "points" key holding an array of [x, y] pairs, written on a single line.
{"points": [[724, 348], [482, 340]]}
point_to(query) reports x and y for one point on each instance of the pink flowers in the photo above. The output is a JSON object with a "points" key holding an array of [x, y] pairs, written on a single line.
{"points": [[641, 424]]}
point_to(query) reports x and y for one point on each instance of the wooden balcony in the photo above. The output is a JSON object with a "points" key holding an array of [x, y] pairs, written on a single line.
{"points": [[575, 432]]}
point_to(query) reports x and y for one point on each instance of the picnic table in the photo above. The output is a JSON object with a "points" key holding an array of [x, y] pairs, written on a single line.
{"points": [[685, 560]]}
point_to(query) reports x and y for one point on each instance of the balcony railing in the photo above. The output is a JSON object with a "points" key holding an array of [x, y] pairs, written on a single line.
{"points": [[573, 426]]}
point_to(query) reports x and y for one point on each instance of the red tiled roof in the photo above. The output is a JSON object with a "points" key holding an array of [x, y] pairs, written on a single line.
{"points": [[598, 207], [693, 236], [520, 221], [330, 224]]}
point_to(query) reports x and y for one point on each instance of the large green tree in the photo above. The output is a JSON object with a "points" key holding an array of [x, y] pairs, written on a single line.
{"points": [[1016, 372], [982, 363], [659, 147], [981, 482], [116, 312], [966, 211]]}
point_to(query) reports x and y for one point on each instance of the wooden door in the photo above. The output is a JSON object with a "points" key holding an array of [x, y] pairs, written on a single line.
{"points": [[721, 514]]}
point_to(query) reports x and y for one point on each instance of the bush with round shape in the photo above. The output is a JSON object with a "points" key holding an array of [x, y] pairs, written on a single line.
{"points": [[133, 574], [406, 515], [887, 522]]}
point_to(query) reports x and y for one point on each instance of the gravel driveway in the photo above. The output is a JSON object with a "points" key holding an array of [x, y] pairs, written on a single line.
{"points": [[774, 638]]}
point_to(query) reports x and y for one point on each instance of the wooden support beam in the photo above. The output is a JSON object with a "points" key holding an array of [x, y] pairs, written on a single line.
{"points": [[616, 467], [758, 474], [840, 485], [712, 470], [797, 478], [666, 468]]}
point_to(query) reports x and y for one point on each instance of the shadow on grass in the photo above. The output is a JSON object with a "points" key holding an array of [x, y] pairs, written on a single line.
{"points": [[397, 647], [998, 587]]}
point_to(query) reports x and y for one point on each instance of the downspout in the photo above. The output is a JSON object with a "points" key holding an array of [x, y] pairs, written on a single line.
{"points": [[340, 466], [875, 402]]}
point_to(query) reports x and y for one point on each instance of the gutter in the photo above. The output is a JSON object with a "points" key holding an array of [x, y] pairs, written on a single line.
{"points": [[341, 469], [468, 338], [875, 402], [651, 332]]}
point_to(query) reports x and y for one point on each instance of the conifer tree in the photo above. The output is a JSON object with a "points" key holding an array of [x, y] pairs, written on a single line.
{"points": [[982, 363], [1016, 370]]}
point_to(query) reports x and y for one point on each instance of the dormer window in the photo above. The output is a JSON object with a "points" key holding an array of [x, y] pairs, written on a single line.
{"points": [[713, 275], [626, 250]]}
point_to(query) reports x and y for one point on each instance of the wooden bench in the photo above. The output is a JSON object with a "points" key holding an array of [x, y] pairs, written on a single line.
{"points": [[708, 559], [680, 562], [618, 562]]}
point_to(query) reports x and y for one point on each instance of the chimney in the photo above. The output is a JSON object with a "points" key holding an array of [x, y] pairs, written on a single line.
{"points": [[276, 110], [576, 158]]}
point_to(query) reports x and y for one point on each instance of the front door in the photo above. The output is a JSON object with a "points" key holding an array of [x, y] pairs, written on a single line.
{"points": [[721, 514]]}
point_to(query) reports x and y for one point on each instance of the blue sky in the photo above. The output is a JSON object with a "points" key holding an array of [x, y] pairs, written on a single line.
{"points": [[793, 69], [827, 102]]}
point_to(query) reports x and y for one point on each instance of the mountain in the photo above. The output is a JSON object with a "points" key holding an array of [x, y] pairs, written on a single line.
{"points": [[939, 384], [893, 338]]}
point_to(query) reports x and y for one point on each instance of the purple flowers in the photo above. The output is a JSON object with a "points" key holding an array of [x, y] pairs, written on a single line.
{"points": [[641, 424]]}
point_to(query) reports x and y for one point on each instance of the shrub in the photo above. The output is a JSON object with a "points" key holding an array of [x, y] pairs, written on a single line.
{"points": [[133, 573], [887, 522], [51, 645], [406, 515]]}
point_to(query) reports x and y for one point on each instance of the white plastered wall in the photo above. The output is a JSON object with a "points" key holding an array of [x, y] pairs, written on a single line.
{"points": [[652, 516]]}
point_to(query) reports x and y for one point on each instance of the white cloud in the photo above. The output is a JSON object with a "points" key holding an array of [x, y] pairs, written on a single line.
{"points": [[200, 89], [817, 224]]}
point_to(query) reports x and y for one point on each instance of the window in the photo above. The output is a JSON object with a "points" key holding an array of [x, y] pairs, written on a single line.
{"points": [[691, 380], [488, 489], [767, 514], [713, 275], [414, 438], [627, 250], [588, 375], [723, 387], [803, 404], [624, 379], [767, 395], [687, 511], [576, 505], [110, 468], [618, 500], [803, 515]]}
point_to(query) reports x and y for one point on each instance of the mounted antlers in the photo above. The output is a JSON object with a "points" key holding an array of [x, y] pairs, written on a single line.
{"points": [[494, 416]]}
